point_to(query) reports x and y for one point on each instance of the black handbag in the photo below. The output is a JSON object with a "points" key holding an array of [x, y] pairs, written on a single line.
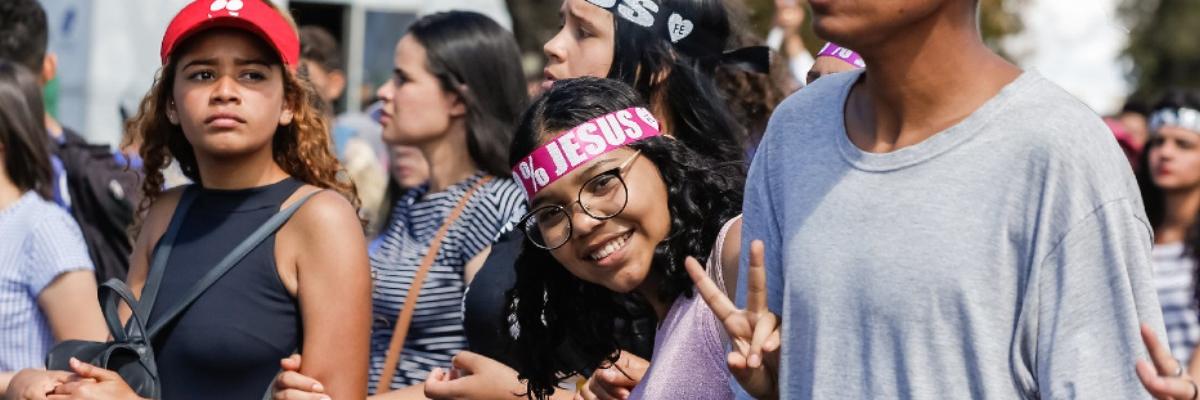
{"points": [[130, 353]]}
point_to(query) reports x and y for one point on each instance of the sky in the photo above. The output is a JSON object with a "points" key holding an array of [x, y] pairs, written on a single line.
{"points": [[1076, 44]]}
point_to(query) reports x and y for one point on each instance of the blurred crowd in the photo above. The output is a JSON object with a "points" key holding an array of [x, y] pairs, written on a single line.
{"points": [[673, 208]]}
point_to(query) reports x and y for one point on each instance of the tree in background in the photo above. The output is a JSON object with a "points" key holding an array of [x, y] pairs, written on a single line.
{"points": [[998, 21], [534, 23], [1162, 44]]}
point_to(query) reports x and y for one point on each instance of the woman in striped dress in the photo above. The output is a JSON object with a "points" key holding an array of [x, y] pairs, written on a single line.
{"points": [[1169, 176], [457, 90]]}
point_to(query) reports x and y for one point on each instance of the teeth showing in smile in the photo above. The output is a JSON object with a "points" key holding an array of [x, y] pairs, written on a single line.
{"points": [[610, 248]]}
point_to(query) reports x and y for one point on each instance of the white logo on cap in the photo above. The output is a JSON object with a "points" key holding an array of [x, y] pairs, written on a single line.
{"points": [[679, 28], [232, 5]]}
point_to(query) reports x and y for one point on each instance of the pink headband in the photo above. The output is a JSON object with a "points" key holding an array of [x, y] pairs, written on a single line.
{"points": [[842, 53], [581, 144]]}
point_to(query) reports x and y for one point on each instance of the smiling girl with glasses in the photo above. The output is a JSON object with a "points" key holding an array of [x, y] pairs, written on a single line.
{"points": [[602, 197], [618, 208]]}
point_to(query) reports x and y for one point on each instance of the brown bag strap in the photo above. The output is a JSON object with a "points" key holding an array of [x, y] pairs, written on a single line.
{"points": [[410, 300]]}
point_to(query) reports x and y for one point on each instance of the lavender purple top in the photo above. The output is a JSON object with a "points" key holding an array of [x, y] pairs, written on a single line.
{"points": [[689, 350]]}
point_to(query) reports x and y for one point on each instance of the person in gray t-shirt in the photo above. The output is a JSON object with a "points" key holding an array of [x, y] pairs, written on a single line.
{"points": [[945, 225]]}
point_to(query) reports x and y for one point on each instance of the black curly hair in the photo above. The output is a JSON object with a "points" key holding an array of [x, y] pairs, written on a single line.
{"points": [[567, 324]]}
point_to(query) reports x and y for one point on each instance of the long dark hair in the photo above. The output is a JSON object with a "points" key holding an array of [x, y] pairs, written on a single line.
{"points": [[554, 308], [479, 60], [696, 112], [1152, 195], [22, 131]]}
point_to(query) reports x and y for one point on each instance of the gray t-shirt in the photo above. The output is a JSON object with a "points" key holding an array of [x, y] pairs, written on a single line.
{"points": [[1006, 257]]}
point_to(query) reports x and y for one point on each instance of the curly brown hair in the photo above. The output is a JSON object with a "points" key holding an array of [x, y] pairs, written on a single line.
{"points": [[753, 97], [302, 149]]}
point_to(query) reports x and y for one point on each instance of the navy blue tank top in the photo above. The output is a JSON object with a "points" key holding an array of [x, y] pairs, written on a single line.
{"points": [[227, 344]]}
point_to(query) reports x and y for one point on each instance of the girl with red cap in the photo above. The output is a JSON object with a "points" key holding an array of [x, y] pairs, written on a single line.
{"points": [[231, 108]]}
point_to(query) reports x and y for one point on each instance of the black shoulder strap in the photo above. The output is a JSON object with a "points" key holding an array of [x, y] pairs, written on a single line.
{"points": [[111, 294], [228, 262], [163, 251]]}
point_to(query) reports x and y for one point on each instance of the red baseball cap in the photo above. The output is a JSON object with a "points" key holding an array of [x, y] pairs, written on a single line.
{"points": [[254, 16]]}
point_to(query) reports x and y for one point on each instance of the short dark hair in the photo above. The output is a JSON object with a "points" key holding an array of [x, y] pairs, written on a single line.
{"points": [[23, 33], [1136, 105], [22, 132], [319, 46]]}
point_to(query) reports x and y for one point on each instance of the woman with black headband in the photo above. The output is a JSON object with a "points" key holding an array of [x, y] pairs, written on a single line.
{"points": [[1169, 176], [667, 51]]}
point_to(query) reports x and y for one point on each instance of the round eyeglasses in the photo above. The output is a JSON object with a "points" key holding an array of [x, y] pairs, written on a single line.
{"points": [[602, 197]]}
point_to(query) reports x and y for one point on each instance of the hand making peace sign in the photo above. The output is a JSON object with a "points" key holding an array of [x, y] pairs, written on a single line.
{"points": [[754, 331], [1163, 376]]}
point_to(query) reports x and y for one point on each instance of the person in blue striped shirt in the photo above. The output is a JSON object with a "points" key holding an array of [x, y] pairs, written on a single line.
{"points": [[47, 285]]}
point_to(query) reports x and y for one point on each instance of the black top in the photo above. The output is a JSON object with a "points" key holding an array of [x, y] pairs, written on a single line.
{"points": [[103, 197], [226, 345], [484, 320]]}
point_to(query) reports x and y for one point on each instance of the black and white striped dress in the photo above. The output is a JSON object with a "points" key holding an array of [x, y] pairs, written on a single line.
{"points": [[436, 333]]}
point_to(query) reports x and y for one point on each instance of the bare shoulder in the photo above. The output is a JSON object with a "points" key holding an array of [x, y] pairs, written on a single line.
{"points": [[158, 216], [326, 214], [731, 249], [154, 225], [322, 236]]}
